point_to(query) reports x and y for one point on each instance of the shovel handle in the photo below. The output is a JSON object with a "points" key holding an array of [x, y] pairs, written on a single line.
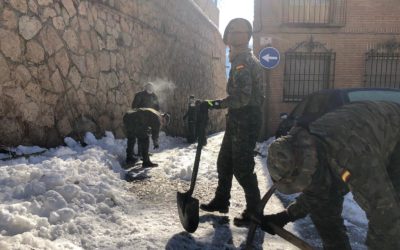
{"points": [[265, 198], [284, 234], [288, 236], [260, 208], [195, 168], [203, 120]]}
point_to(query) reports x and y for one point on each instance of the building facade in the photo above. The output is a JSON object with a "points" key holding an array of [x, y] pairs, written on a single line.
{"points": [[209, 7], [326, 44]]}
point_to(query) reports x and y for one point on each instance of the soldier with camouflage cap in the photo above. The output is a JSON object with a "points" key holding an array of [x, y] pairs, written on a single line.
{"points": [[146, 98], [356, 147], [243, 123]]}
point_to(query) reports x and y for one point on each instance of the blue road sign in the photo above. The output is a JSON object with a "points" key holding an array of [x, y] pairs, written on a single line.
{"points": [[269, 57]]}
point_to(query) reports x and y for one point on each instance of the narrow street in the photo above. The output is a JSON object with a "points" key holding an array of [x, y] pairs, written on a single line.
{"points": [[75, 197], [157, 196]]}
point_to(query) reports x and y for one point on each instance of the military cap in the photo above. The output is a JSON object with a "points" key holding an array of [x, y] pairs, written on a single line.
{"points": [[239, 24], [292, 160]]}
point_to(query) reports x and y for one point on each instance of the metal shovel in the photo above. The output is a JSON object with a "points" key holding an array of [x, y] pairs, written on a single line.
{"points": [[188, 207], [288, 236]]}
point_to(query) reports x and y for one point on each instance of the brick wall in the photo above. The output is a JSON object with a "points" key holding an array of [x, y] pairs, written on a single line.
{"points": [[67, 66], [368, 23]]}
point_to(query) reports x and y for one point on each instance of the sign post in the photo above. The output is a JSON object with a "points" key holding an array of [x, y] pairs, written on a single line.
{"points": [[269, 57]]}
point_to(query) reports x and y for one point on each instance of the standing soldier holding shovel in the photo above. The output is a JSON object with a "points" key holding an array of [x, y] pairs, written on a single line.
{"points": [[243, 121]]}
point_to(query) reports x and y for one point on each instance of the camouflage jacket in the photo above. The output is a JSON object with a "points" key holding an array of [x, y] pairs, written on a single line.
{"points": [[324, 185], [139, 120], [358, 138], [145, 100], [244, 83]]}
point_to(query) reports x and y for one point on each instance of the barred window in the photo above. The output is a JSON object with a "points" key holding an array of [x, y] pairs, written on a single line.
{"points": [[382, 66], [307, 71], [314, 12]]}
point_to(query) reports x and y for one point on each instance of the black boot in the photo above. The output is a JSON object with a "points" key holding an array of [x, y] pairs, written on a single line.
{"points": [[149, 164], [215, 206], [130, 161], [243, 220]]}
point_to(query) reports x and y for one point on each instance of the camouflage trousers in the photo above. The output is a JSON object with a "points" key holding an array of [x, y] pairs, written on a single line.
{"points": [[327, 218], [379, 196], [141, 133], [143, 147], [236, 158]]}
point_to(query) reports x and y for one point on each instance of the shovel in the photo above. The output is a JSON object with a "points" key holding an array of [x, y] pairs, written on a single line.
{"points": [[288, 236], [253, 225], [188, 207]]}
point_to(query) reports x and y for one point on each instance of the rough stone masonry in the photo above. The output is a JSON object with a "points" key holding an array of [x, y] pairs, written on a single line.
{"points": [[69, 66]]}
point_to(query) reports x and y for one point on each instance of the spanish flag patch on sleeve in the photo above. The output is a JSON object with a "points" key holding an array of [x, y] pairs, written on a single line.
{"points": [[239, 67]]}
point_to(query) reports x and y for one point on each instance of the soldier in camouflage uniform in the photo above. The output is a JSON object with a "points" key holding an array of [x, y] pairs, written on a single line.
{"points": [[236, 157], [137, 123], [146, 98], [355, 147]]}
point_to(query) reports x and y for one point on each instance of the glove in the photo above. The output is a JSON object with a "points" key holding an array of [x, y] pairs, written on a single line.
{"points": [[279, 219], [213, 104]]}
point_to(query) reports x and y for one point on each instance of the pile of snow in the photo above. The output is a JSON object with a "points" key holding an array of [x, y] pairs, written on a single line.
{"points": [[72, 196], [60, 193]]}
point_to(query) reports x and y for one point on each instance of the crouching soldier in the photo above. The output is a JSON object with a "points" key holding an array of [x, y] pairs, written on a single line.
{"points": [[355, 147], [137, 123]]}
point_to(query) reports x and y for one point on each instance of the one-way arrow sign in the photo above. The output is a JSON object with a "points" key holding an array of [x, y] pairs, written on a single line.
{"points": [[269, 57]]}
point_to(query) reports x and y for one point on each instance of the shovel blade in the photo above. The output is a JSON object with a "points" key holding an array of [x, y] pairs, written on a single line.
{"points": [[188, 209]]}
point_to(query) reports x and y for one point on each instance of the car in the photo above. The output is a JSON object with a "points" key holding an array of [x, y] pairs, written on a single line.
{"points": [[319, 103]]}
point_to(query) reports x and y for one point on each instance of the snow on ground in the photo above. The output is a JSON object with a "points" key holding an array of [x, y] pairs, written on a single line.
{"points": [[74, 197]]}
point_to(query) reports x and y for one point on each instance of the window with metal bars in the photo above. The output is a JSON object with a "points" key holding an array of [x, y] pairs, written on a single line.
{"points": [[314, 12], [309, 68], [382, 66]]}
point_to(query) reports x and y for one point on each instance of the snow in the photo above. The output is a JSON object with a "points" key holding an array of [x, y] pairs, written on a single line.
{"points": [[74, 197]]}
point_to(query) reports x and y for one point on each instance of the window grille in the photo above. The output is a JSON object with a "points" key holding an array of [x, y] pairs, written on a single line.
{"points": [[382, 66], [309, 67], [314, 12]]}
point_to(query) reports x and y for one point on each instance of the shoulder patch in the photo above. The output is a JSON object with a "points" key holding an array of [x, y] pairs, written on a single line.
{"points": [[239, 67]]}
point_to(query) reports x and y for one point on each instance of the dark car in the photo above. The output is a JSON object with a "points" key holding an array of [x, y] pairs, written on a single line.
{"points": [[317, 104]]}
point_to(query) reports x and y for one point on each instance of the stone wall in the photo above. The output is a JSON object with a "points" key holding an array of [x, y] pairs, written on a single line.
{"points": [[67, 66]]}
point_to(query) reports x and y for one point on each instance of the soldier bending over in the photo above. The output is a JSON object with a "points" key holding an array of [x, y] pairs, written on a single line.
{"points": [[137, 123], [355, 147]]}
